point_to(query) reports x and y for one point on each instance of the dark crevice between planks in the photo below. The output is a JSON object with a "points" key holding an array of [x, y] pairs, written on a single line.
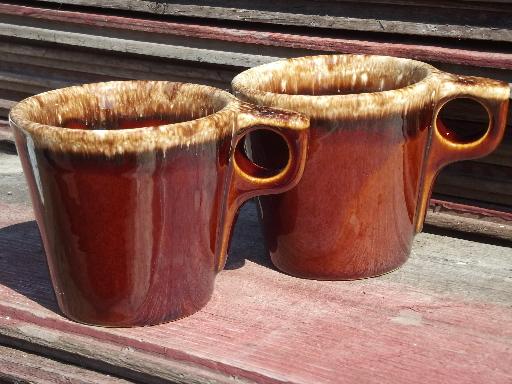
{"points": [[463, 233], [6, 378]]}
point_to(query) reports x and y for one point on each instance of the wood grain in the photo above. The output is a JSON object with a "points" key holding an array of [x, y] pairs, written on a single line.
{"points": [[484, 213], [78, 65], [27, 69], [230, 46], [477, 180], [5, 132], [451, 224], [445, 314], [452, 19]]}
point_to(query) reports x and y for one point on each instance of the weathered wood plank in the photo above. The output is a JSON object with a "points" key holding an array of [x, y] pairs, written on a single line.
{"points": [[426, 19], [484, 213], [470, 221], [229, 46], [5, 132], [6, 138], [493, 73], [495, 5], [27, 69], [29, 83], [453, 189], [125, 45], [501, 156], [468, 227], [446, 313], [478, 181], [22, 367], [487, 5], [6, 104], [68, 62]]}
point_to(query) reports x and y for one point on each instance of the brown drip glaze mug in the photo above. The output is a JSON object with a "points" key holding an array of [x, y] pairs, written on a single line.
{"points": [[135, 186], [375, 148]]}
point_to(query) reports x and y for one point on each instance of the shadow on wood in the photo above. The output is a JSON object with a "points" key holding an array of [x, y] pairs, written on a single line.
{"points": [[21, 260], [460, 233], [248, 242], [20, 246]]}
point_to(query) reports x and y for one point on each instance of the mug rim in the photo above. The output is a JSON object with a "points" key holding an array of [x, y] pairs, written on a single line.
{"points": [[349, 105], [117, 141]]}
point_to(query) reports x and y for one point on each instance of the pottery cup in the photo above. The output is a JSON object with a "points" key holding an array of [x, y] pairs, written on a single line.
{"points": [[135, 186], [376, 146]]}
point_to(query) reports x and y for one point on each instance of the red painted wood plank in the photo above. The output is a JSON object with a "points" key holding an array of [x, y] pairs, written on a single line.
{"points": [[435, 53], [266, 327]]}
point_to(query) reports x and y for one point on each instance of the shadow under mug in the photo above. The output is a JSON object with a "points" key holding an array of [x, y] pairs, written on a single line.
{"points": [[375, 149], [135, 186]]}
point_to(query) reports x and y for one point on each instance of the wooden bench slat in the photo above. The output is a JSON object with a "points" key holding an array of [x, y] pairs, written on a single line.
{"points": [[23, 367], [452, 19], [252, 52]]}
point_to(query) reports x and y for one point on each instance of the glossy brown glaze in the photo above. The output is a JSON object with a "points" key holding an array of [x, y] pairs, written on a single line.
{"points": [[135, 187], [373, 155]]}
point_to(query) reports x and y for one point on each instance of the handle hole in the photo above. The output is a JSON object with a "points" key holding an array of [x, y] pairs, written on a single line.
{"points": [[262, 153], [462, 120]]}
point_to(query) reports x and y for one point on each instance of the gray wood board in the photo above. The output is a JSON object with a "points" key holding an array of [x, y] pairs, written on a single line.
{"points": [[164, 46], [24, 367]]}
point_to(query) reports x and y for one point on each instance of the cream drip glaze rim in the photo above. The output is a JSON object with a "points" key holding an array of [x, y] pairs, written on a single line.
{"points": [[372, 104], [109, 142]]}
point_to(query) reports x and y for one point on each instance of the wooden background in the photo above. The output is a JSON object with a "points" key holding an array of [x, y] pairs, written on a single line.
{"points": [[48, 44]]}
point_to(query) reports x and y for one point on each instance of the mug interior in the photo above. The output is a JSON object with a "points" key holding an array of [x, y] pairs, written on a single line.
{"points": [[337, 75], [124, 105]]}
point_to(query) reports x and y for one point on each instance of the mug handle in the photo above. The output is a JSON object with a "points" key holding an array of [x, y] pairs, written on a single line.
{"points": [[247, 179], [493, 95]]}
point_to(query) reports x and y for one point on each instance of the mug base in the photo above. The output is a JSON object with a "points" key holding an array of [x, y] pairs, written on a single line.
{"points": [[337, 276], [148, 322]]}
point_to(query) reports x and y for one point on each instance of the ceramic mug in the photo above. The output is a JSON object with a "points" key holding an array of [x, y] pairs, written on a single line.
{"points": [[135, 186], [375, 148]]}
